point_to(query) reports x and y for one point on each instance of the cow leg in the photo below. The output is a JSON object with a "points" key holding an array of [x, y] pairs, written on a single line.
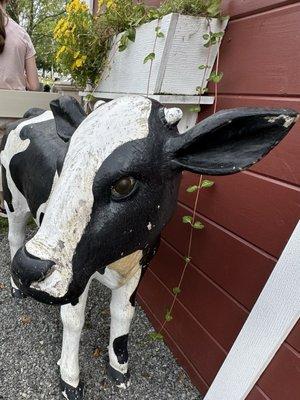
{"points": [[16, 237], [73, 321], [122, 311]]}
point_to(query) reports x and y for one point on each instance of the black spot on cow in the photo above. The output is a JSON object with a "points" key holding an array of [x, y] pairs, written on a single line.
{"points": [[6, 191], [33, 170], [120, 348], [41, 218]]}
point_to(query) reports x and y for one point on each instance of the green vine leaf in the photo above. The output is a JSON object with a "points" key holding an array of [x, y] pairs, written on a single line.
{"points": [[207, 184], [212, 38], [203, 66], [156, 336], [215, 77], [195, 109], [187, 219], [168, 316], [131, 33], [187, 259], [198, 225], [123, 42], [122, 47], [159, 33], [201, 90], [90, 97], [176, 290], [149, 57], [192, 189]]}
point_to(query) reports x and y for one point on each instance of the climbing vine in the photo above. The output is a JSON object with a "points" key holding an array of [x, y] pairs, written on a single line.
{"points": [[202, 184]]}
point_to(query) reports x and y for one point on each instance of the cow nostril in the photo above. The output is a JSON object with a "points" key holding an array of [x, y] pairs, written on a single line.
{"points": [[28, 268]]}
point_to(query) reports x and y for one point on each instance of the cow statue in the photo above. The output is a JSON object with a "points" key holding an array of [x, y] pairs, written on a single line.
{"points": [[101, 188]]}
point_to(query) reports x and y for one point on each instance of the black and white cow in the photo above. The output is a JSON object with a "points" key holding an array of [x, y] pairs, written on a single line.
{"points": [[101, 188]]}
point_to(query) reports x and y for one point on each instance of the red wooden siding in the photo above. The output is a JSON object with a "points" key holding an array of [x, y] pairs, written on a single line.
{"points": [[248, 217]]}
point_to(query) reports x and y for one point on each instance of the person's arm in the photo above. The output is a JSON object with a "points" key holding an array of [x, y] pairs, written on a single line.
{"points": [[32, 78]]}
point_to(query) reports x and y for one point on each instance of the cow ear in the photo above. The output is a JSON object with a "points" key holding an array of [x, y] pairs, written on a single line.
{"points": [[230, 140], [68, 115]]}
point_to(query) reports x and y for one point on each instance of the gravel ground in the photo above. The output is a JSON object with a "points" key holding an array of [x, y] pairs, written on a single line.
{"points": [[30, 343]]}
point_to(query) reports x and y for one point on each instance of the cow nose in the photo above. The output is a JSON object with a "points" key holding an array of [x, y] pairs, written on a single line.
{"points": [[28, 268]]}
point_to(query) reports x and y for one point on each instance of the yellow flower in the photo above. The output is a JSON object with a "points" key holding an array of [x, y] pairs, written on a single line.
{"points": [[110, 4], [79, 62], [76, 6], [60, 52], [59, 28]]}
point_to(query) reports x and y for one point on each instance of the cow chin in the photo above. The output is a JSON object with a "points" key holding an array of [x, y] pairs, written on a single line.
{"points": [[44, 280], [44, 297]]}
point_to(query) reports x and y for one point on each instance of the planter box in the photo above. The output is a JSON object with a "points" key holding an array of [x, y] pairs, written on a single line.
{"points": [[177, 57]]}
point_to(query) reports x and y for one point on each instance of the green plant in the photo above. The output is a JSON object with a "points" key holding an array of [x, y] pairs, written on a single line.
{"points": [[205, 8], [83, 40], [79, 48]]}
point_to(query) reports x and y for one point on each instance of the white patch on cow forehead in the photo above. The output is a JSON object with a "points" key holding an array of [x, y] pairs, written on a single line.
{"points": [[70, 206], [118, 121]]}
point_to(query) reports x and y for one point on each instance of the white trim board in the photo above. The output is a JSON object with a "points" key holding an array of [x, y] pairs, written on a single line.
{"points": [[162, 98], [273, 316]]}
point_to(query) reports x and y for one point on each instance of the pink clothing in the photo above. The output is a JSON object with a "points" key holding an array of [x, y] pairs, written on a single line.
{"points": [[18, 48]]}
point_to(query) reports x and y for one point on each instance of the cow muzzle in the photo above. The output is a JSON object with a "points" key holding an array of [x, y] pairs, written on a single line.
{"points": [[39, 279]]}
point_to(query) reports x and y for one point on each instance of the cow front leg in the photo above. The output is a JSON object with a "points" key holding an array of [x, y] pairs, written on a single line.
{"points": [[16, 238], [73, 321], [122, 311]]}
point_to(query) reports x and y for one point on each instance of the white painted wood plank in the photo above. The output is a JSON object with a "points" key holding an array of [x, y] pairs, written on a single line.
{"points": [[272, 318], [182, 75], [163, 98], [127, 72], [14, 103]]}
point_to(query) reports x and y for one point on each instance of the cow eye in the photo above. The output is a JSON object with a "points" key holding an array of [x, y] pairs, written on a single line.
{"points": [[123, 187]]}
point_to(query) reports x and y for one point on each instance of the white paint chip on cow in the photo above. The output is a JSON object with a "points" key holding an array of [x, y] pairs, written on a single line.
{"points": [[288, 120]]}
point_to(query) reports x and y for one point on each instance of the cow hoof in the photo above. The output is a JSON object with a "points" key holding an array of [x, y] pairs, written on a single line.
{"points": [[120, 380], [71, 393], [17, 293]]}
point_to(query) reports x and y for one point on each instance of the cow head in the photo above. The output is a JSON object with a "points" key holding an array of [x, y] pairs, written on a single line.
{"points": [[119, 184]]}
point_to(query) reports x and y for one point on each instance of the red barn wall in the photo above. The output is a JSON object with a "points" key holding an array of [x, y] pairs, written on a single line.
{"points": [[248, 217]]}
